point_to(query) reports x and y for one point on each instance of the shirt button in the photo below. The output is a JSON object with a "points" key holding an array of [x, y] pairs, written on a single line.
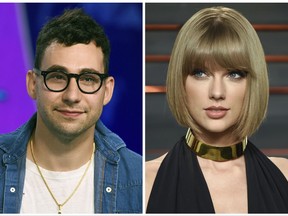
{"points": [[108, 189], [12, 189]]}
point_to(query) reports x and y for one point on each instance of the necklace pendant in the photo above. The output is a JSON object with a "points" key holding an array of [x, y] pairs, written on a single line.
{"points": [[59, 209]]}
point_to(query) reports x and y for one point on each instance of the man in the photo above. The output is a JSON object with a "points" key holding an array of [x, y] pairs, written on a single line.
{"points": [[64, 160]]}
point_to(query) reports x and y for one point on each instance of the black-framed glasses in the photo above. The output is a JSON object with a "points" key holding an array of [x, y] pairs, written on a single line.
{"points": [[58, 81]]}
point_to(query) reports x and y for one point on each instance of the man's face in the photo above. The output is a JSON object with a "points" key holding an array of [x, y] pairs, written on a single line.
{"points": [[69, 113]]}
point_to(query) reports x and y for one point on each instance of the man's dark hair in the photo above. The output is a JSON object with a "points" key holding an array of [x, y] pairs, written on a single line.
{"points": [[73, 27]]}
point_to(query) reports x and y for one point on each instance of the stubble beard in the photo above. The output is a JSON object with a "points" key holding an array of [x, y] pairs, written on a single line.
{"points": [[66, 130]]}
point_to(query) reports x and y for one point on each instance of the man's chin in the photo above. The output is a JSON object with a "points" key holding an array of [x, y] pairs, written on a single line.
{"points": [[66, 132]]}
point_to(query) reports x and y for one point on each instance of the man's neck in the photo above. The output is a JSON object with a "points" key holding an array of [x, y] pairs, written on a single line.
{"points": [[52, 153]]}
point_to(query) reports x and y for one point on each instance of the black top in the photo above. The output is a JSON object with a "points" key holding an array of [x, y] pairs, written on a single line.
{"points": [[180, 187]]}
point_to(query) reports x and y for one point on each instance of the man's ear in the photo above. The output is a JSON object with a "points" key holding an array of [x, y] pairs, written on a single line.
{"points": [[31, 84], [109, 87]]}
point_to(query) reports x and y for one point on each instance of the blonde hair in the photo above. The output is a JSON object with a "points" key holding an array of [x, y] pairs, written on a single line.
{"points": [[222, 36]]}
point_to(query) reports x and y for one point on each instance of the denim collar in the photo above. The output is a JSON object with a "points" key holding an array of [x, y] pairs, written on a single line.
{"points": [[14, 144]]}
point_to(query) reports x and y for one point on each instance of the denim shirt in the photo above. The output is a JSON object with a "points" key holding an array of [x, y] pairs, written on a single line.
{"points": [[117, 172]]}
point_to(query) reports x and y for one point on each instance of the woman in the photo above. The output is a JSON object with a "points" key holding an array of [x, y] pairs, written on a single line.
{"points": [[217, 86]]}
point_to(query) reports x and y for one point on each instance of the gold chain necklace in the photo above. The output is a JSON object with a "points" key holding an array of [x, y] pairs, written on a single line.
{"points": [[215, 153], [60, 205]]}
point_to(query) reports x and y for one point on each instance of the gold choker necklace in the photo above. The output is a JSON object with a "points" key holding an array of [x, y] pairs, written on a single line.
{"points": [[215, 153], [60, 205]]}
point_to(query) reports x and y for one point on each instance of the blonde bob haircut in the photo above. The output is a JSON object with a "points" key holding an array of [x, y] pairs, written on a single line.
{"points": [[219, 36]]}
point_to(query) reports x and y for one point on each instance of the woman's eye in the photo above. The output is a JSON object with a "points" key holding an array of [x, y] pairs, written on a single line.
{"points": [[198, 73], [237, 74]]}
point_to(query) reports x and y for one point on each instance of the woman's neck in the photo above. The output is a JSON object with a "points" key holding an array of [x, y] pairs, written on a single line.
{"points": [[218, 153], [221, 139]]}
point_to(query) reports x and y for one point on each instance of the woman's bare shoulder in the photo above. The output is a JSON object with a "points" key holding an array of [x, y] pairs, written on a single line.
{"points": [[282, 164], [153, 165], [151, 169]]}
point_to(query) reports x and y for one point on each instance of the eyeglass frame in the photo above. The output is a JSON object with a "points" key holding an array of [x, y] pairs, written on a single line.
{"points": [[44, 73]]}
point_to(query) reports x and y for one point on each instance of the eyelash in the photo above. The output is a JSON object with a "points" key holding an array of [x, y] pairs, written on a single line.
{"points": [[241, 74], [196, 73], [233, 74]]}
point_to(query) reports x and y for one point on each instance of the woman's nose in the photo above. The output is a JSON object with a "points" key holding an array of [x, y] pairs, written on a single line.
{"points": [[217, 89]]}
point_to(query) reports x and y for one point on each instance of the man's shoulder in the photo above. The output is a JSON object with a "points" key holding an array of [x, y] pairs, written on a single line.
{"points": [[130, 165], [7, 139], [106, 139], [16, 138], [129, 155], [105, 136]]}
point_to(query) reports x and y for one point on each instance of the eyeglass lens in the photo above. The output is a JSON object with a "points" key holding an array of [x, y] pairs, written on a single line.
{"points": [[87, 82]]}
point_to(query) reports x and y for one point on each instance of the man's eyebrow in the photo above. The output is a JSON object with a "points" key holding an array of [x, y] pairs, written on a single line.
{"points": [[64, 69], [90, 70], [56, 68]]}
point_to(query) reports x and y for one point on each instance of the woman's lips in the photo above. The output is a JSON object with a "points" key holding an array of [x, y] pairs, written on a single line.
{"points": [[214, 112]]}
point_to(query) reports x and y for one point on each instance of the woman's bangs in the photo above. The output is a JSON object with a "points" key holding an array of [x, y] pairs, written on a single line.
{"points": [[225, 50], [230, 54]]}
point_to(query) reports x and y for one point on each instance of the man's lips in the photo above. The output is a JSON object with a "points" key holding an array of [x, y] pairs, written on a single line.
{"points": [[216, 112], [70, 113]]}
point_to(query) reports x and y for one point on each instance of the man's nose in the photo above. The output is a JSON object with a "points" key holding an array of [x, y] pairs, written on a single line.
{"points": [[72, 93]]}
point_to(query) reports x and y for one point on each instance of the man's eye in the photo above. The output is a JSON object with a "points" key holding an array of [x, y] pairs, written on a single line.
{"points": [[56, 76], [89, 78]]}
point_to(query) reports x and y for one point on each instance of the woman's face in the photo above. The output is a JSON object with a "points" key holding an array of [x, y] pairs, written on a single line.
{"points": [[215, 97]]}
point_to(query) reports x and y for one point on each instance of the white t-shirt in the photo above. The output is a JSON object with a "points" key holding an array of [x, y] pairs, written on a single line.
{"points": [[37, 199]]}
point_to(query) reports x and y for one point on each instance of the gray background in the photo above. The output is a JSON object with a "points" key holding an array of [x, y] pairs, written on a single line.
{"points": [[162, 131]]}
